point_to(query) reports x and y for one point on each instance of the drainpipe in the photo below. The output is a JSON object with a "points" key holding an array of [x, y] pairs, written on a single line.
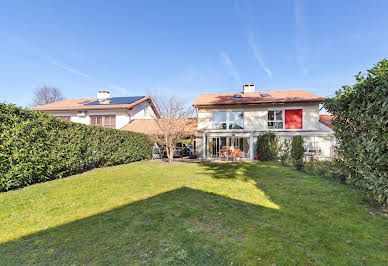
{"points": [[251, 143], [204, 146]]}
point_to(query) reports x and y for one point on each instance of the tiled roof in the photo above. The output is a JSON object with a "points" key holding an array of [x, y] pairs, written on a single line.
{"points": [[149, 126], [284, 96], [82, 104], [326, 120]]}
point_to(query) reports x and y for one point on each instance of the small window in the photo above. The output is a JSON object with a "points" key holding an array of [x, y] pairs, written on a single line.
{"points": [[103, 120], [64, 117], [237, 96], [275, 119], [265, 95]]}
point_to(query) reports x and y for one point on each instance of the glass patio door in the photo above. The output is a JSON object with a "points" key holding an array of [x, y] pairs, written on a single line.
{"points": [[216, 144]]}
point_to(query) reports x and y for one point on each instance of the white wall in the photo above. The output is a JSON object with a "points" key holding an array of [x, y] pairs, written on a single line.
{"points": [[122, 117], [255, 118], [142, 111], [325, 128], [321, 142]]}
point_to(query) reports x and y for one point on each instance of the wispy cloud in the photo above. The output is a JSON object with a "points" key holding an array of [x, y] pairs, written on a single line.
{"points": [[245, 14], [230, 67], [301, 36], [253, 46], [42, 55], [69, 69]]}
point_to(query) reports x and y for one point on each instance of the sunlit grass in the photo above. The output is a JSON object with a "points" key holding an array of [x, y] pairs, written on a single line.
{"points": [[150, 212]]}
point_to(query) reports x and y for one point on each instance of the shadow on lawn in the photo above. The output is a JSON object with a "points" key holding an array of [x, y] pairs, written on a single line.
{"points": [[268, 177], [179, 226], [189, 226]]}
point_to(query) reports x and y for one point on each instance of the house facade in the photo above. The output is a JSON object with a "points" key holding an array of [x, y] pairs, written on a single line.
{"points": [[236, 119], [104, 110]]}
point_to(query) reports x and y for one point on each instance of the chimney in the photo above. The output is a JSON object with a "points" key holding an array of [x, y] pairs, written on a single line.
{"points": [[103, 97], [248, 88]]}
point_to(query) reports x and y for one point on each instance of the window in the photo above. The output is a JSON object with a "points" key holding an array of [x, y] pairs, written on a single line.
{"points": [[228, 120], [64, 117], [287, 119], [275, 119], [219, 120], [293, 119], [103, 120], [236, 120]]}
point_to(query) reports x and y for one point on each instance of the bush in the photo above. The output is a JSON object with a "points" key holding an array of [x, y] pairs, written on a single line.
{"points": [[297, 152], [36, 147], [285, 152], [329, 169], [360, 125], [267, 147]]}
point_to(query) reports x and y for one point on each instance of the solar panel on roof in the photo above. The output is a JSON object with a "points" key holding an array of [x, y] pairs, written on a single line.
{"points": [[265, 95], [119, 100], [237, 96]]}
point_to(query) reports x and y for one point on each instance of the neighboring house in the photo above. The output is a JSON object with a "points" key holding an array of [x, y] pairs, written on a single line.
{"points": [[238, 118], [106, 111]]}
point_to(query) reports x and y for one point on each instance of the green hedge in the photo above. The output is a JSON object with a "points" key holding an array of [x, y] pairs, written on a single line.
{"points": [[36, 147], [297, 152], [360, 121], [267, 147]]}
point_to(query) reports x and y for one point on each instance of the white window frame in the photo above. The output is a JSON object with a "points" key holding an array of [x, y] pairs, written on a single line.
{"points": [[275, 120], [283, 109], [228, 120], [103, 119]]}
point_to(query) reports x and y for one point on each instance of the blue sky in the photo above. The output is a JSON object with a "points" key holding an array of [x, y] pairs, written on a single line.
{"points": [[186, 47]]}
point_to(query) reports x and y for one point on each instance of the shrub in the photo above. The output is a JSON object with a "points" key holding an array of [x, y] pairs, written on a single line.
{"points": [[360, 126], [328, 169], [267, 147], [297, 152], [36, 147], [285, 152]]}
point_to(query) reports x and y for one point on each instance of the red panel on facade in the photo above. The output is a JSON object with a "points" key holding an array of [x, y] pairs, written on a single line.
{"points": [[294, 119]]}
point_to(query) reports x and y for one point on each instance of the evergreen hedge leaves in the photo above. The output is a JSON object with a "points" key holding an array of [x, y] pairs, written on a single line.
{"points": [[360, 121], [36, 147]]}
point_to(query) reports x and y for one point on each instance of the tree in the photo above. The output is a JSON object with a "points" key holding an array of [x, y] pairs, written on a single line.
{"points": [[45, 95], [360, 121], [171, 122]]}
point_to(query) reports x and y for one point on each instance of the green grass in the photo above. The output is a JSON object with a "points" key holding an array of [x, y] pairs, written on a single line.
{"points": [[204, 214]]}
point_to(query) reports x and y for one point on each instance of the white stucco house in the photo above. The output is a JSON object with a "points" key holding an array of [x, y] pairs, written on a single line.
{"points": [[104, 110], [238, 118]]}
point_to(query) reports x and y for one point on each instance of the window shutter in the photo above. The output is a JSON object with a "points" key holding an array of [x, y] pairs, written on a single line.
{"points": [[294, 119]]}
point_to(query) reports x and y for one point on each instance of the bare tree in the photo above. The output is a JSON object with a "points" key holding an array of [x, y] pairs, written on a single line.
{"points": [[171, 122], [45, 95]]}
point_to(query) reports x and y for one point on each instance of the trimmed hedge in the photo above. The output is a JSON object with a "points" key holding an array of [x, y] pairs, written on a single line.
{"points": [[36, 147], [360, 121]]}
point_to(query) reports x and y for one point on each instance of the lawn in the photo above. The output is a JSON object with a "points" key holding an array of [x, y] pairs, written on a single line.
{"points": [[188, 213]]}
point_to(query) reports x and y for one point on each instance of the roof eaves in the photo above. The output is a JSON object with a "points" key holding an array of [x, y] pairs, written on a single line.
{"points": [[260, 103]]}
